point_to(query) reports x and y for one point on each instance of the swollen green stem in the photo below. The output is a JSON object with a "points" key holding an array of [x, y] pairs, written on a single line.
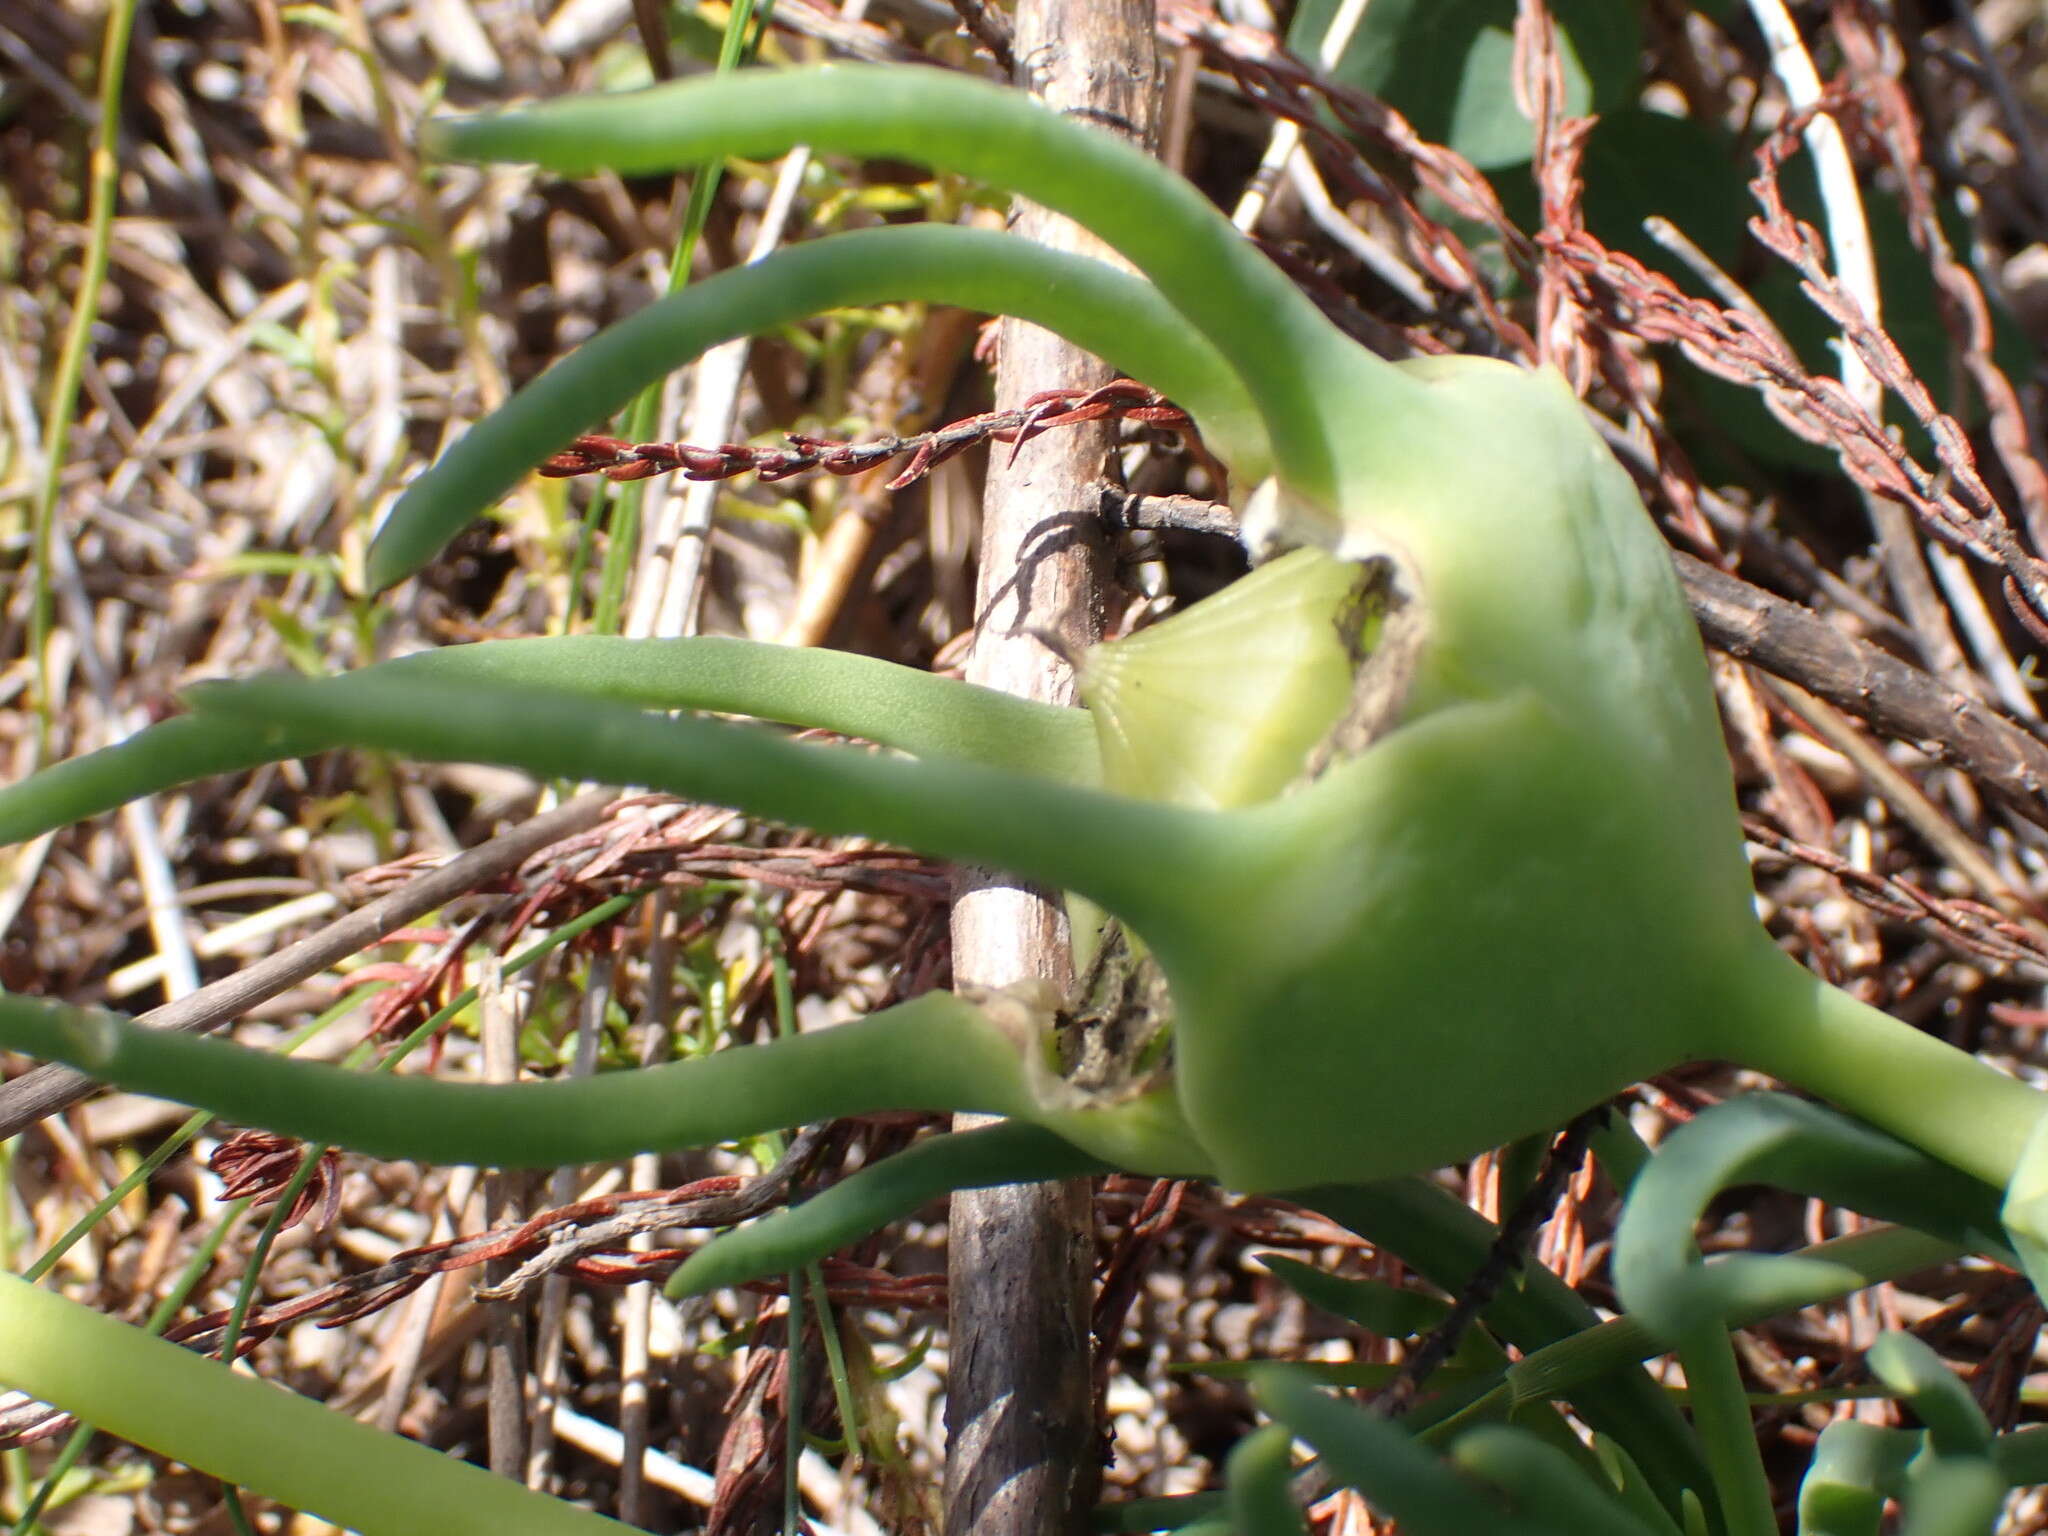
{"points": [[1558, 710], [1407, 909], [1801, 1030], [1528, 893]]}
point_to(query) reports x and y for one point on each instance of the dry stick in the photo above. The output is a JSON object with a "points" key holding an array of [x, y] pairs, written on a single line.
{"points": [[1900, 700], [1904, 796], [2020, 132], [504, 1205], [990, 28], [1506, 1255], [843, 36], [138, 818], [1898, 541], [1981, 633], [550, 1241], [1021, 1448], [1286, 137], [678, 530], [1974, 931], [48, 1089], [636, 1307], [409, 1350], [554, 1297], [668, 585], [941, 344]]}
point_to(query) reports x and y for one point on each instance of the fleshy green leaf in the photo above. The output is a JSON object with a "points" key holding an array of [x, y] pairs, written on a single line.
{"points": [[1856, 1467], [1009, 1153], [1770, 1138], [1956, 1426], [893, 706], [1386, 1310], [1095, 305]]}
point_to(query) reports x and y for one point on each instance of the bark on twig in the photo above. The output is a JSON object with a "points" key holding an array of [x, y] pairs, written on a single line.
{"points": [[1021, 1448], [1901, 701]]}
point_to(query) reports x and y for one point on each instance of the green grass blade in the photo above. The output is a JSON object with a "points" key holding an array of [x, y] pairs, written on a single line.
{"points": [[2022, 1456], [1445, 1241], [622, 524], [103, 194], [1630, 1487], [1397, 1476], [1390, 1311]]}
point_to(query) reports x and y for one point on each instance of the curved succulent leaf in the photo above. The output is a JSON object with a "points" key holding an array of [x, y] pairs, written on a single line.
{"points": [[892, 706], [1111, 849], [1856, 1468], [1769, 1138], [1953, 1496], [1011, 1152], [1273, 338], [1093, 304], [1541, 1477], [937, 1052], [1260, 1480], [247, 1431], [1956, 1425]]}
